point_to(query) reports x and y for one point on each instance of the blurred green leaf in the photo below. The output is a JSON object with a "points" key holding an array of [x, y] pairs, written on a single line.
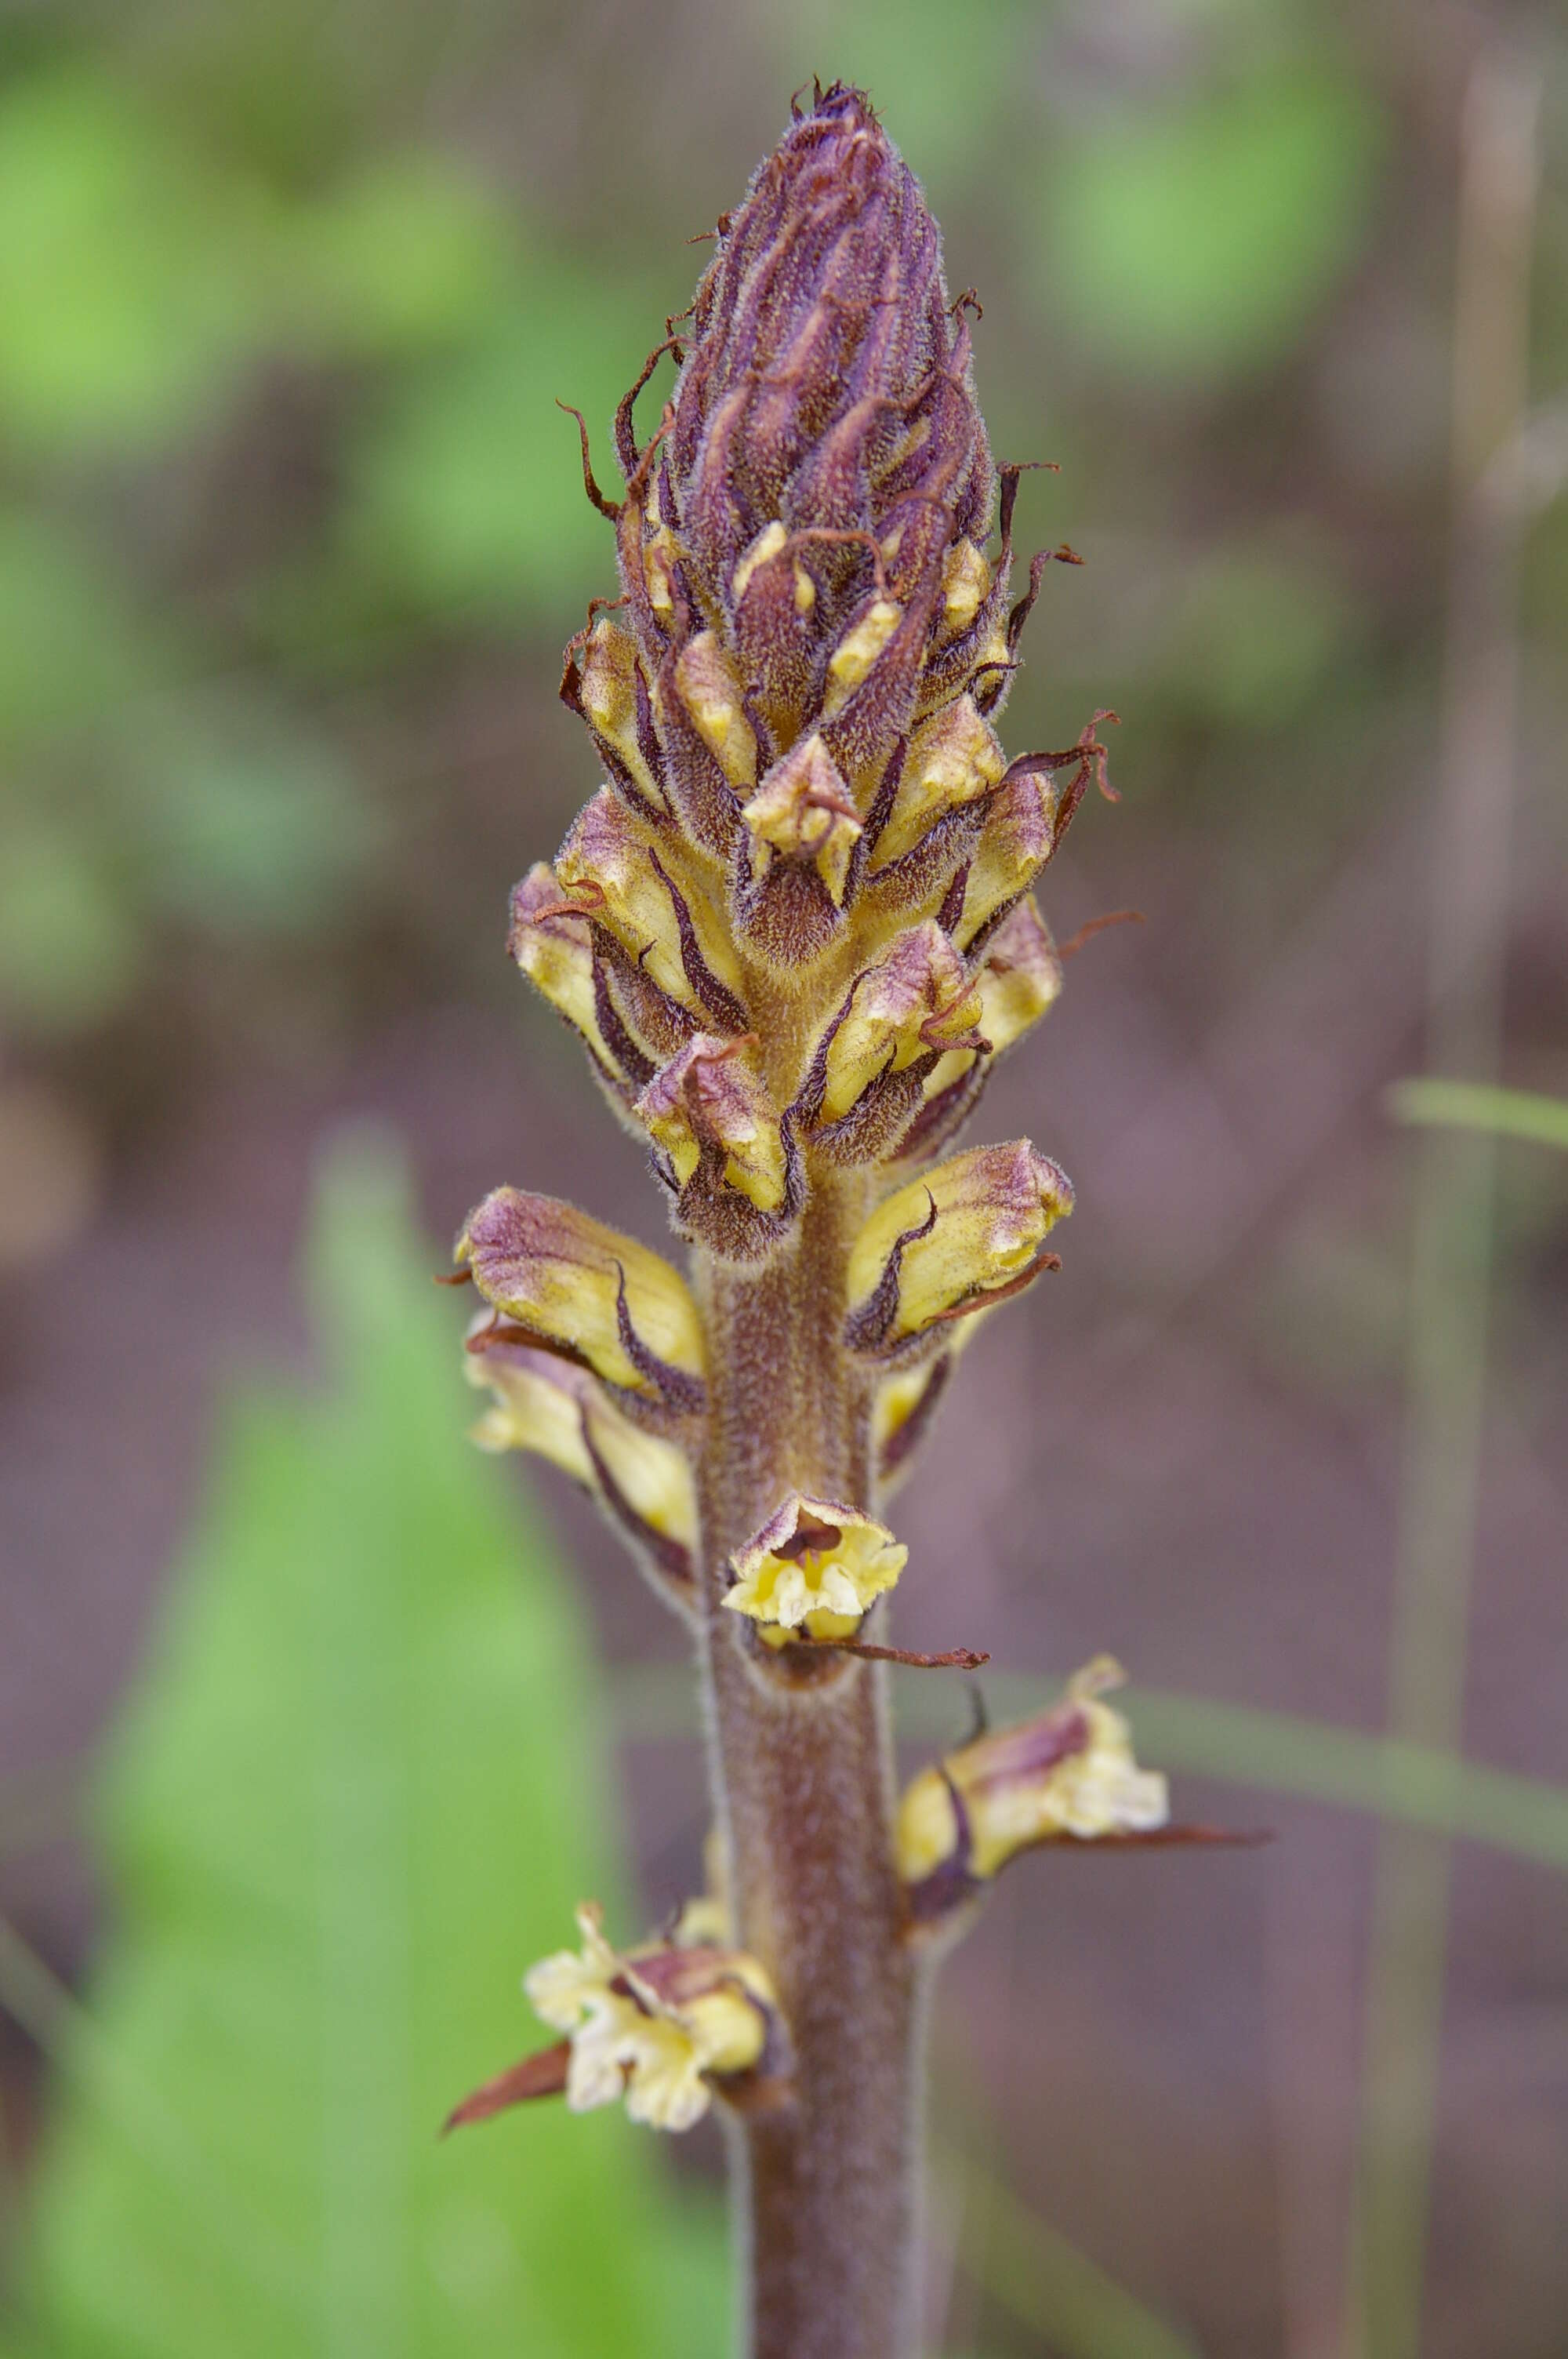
{"points": [[1253, 631], [1193, 241], [70, 641], [123, 283], [465, 485], [1476, 1106], [241, 815], [409, 253], [358, 1791], [70, 942]]}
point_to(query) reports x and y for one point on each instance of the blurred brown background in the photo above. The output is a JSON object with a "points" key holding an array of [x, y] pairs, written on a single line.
{"points": [[290, 535]]}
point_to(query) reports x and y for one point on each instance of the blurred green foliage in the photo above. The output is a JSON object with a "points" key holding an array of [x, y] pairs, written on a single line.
{"points": [[1194, 238], [164, 760], [359, 1789], [277, 369]]}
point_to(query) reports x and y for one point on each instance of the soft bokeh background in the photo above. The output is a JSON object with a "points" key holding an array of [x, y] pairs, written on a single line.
{"points": [[290, 537]]}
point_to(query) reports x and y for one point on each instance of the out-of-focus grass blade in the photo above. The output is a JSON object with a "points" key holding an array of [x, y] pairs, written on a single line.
{"points": [[1479, 1105], [1042, 2279], [1321, 1763], [38, 1804], [1275, 1752]]}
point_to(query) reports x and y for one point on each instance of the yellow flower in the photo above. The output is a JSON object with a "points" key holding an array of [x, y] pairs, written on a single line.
{"points": [[655, 2025], [802, 812], [611, 868], [542, 1403], [1019, 982], [1023, 826], [574, 1285], [554, 951], [1069, 1773], [954, 759], [966, 1236], [604, 683], [916, 1002], [711, 1102], [815, 1567]]}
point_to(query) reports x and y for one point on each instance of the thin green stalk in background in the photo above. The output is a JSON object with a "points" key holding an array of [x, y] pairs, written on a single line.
{"points": [[1480, 1105], [1450, 1277], [1041, 2280], [1273, 1752]]}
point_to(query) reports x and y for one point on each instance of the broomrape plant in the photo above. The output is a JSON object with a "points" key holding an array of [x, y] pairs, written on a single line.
{"points": [[795, 929]]}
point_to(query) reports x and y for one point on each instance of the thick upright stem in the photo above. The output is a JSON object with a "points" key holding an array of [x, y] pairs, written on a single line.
{"points": [[803, 1777]]}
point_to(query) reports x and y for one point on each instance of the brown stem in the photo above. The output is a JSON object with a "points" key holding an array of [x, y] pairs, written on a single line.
{"points": [[802, 1767]]}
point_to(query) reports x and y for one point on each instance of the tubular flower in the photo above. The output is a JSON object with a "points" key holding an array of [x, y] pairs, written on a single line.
{"points": [[961, 1239], [1020, 978], [815, 1567], [542, 1403], [570, 1285], [904, 1013], [660, 2025], [1068, 1774], [723, 1151]]}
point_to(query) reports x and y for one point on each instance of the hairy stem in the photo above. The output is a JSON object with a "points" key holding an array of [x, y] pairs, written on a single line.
{"points": [[825, 2186]]}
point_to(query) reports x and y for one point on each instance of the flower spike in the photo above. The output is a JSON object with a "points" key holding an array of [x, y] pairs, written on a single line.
{"points": [[794, 930]]}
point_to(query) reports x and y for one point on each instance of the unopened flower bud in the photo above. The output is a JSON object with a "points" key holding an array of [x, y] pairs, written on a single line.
{"points": [[711, 692], [611, 868], [542, 1403], [1067, 1775], [953, 761], [968, 1235], [825, 454], [723, 1149], [554, 950], [1025, 821], [605, 682], [902, 1014], [661, 2026], [1019, 979], [569, 1284], [802, 829], [903, 1412], [813, 1569]]}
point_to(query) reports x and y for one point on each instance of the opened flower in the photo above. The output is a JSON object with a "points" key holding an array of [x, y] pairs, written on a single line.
{"points": [[813, 1569], [659, 2024], [1069, 1775]]}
